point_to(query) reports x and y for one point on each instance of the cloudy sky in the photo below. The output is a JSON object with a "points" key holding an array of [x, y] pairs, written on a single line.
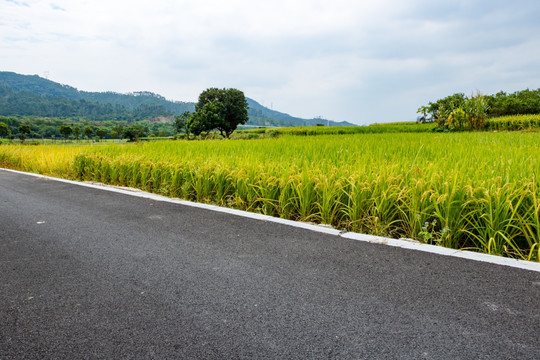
{"points": [[358, 61]]}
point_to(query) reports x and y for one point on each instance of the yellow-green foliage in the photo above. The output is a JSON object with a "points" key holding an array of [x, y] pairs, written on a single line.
{"points": [[343, 130], [461, 190], [514, 122], [54, 160]]}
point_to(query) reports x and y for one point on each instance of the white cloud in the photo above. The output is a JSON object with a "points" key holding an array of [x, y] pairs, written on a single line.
{"points": [[340, 59]]}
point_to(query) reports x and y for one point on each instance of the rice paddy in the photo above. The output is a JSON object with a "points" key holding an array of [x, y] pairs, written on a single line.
{"points": [[476, 191]]}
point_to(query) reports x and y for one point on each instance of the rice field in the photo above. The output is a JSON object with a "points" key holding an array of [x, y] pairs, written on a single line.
{"points": [[342, 130], [476, 191], [514, 122]]}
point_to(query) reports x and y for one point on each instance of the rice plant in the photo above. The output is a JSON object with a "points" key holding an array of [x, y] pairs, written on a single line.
{"points": [[514, 122], [462, 190]]}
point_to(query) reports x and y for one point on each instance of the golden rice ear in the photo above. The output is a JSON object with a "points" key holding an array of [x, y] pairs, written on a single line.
{"points": [[475, 190]]}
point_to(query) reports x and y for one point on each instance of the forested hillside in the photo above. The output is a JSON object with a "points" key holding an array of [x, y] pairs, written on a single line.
{"points": [[262, 116], [31, 95], [26, 103], [24, 95]]}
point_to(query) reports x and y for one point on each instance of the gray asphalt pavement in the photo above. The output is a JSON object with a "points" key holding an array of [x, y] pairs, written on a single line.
{"points": [[91, 274]]}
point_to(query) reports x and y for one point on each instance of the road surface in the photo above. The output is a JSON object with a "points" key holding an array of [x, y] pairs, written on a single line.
{"points": [[91, 274]]}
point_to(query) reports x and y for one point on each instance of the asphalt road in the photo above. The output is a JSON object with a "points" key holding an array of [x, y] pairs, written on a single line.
{"points": [[90, 274]]}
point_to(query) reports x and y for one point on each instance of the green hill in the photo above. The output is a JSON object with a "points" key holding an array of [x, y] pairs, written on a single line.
{"points": [[262, 116], [32, 95]]}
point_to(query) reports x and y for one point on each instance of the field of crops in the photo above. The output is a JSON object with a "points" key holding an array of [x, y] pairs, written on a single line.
{"points": [[504, 123], [514, 122], [476, 191], [342, 130]]}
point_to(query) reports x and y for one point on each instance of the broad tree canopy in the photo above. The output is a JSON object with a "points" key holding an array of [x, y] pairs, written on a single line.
{"points": [[222, 109]]}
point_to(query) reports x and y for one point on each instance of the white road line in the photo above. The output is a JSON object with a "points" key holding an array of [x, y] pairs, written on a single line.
{"points": [[405, 244]]}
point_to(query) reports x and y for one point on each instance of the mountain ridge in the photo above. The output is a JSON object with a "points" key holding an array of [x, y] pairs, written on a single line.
{"points": [[32, 95]]}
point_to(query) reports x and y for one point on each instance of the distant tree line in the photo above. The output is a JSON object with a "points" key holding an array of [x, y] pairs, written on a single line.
{"points": [[458, 111], [218, 110], [77, 129], [518, 103]]}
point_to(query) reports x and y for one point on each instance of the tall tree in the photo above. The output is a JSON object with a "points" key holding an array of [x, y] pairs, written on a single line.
{"points": [[24, 129], [77, 132], [196, 125], [4, 129], [88, 131], [119, 129], [221, 109], [180, 121], [236, 113], [135, 132], [102, 132], [65, 130]]}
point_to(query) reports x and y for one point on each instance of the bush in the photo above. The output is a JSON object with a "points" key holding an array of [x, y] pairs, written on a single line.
{"points": [[273, 133]]}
